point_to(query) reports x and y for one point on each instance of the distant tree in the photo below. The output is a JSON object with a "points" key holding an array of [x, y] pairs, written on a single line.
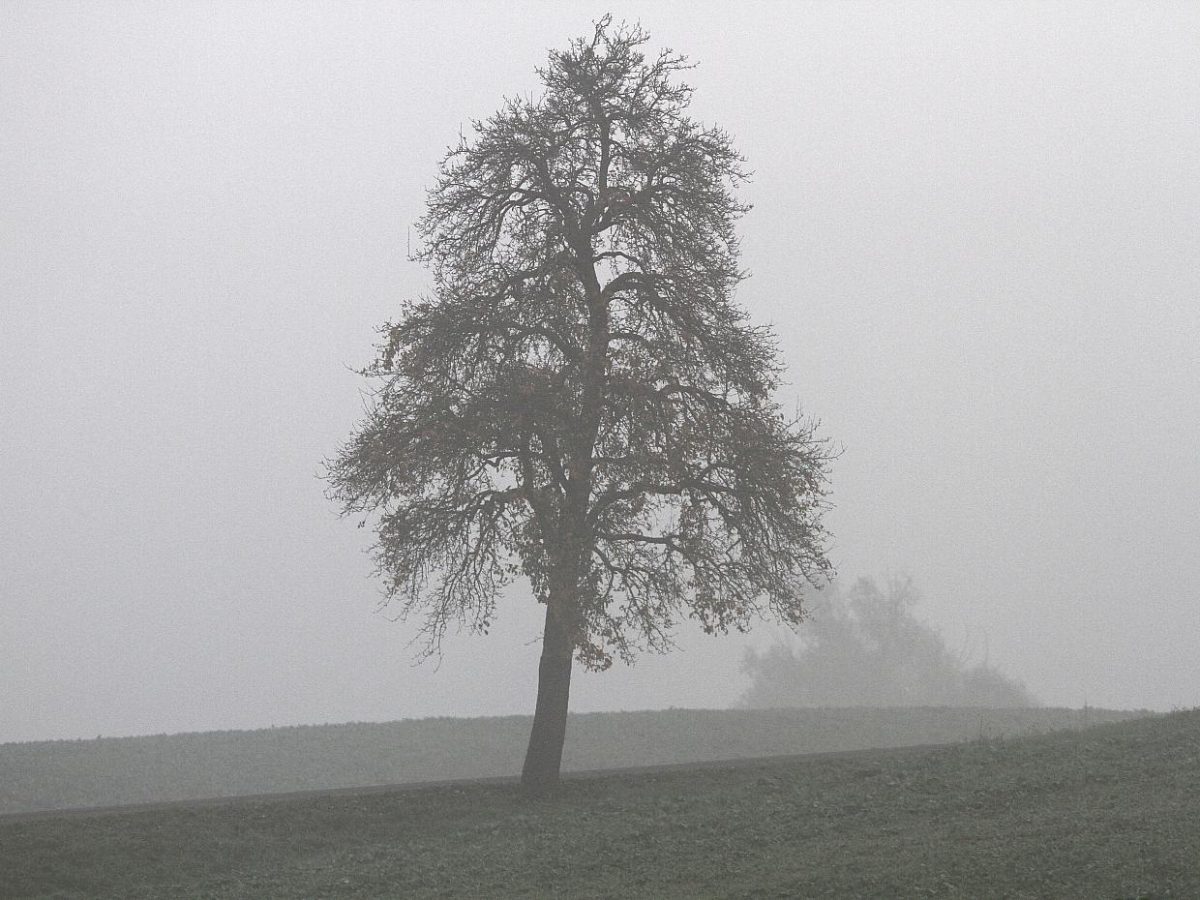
{"points": [[864, 647], [581, 400]]}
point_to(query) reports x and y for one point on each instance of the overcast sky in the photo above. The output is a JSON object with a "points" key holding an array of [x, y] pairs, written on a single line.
{"points": [[976, 229]]}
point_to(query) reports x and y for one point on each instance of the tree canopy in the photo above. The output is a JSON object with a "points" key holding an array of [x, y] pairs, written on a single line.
{"points": [[580, 400]]}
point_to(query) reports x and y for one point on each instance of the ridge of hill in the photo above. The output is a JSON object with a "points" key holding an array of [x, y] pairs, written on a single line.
{"points": [[116, 771], [1109, 811]]}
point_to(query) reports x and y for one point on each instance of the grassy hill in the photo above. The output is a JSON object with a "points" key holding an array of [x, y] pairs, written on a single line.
{"points": [[112, 771], [1108, 812]]}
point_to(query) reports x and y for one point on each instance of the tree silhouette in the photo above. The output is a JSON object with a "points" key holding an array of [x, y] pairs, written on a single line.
{"points": [[580, 400], [865, 647]]}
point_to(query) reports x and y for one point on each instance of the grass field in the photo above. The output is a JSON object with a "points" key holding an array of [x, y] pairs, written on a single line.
{"points": [[111, 771], [1109, 812]]}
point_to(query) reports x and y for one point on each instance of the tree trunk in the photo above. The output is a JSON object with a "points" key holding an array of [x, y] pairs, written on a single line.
{"points": [[543, 759]]}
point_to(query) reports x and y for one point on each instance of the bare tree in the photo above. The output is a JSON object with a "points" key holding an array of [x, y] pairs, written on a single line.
{"points": [[580, 400]]}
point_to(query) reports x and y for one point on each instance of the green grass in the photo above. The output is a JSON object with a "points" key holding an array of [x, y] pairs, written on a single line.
{"points": [[1110, 812], [112, 771]]}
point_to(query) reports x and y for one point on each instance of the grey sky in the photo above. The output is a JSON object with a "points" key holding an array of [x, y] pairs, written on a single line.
{"points": [[975, 230]]}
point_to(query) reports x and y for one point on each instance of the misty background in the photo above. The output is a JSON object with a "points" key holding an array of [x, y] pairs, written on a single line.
{"points": [[975, 232]]}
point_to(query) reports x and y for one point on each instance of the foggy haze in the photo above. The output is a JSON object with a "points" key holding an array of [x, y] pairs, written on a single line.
{"points": [[974, 231]]}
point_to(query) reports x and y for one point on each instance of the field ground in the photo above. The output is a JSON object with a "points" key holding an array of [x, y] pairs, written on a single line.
{"points": [[1109, 812], [113, 771]]}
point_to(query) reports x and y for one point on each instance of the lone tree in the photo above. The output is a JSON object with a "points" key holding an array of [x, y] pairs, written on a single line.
{"points": [[580, 400]]}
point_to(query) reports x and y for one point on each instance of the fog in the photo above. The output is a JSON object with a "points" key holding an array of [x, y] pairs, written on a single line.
{"points": [[974, 230]]}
